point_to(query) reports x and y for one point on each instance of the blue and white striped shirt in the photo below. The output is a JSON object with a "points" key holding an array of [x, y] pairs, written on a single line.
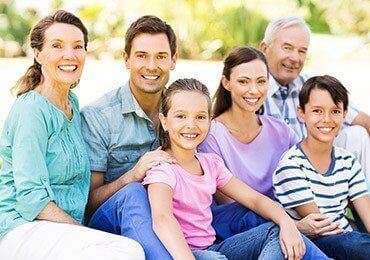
{"points": [[296, 182]]}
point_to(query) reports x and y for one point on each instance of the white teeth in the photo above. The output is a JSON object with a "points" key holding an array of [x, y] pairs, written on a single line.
{"points": [[251, 100], [150, 77], [325, 129], [189, 135], [68, 67]]}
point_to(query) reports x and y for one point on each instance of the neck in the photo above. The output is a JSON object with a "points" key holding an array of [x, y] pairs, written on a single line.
{"points": [[149, 102], [182, 156], [316, 147], [281, 82], [55, 93], [241, 119]]}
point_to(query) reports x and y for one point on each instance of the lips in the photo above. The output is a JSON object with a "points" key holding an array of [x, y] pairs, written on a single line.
{"points": [[251, 101], [67, 68], [290, 66], [190, 136], [325, 130], [150, 77]]}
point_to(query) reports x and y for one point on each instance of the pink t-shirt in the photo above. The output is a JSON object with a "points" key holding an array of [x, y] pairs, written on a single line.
{"points": [[192, 196]]}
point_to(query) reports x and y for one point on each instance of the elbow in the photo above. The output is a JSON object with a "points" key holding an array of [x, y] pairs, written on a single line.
{"points": [[161, 221]]}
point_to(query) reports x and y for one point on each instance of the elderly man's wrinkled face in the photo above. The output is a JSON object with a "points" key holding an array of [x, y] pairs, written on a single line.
{"points": [[287, 53]]}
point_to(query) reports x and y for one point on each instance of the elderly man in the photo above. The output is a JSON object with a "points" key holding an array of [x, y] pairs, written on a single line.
{"points": [[285, 45]]}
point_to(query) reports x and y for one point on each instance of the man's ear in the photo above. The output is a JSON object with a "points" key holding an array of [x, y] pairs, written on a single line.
{"points": [[225, 83], [262, 47], [162, 120], [174, 60], [301, 115], [126, 58]]}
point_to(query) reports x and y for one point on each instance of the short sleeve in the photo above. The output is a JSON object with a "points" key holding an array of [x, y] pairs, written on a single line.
{"points": [[31, 177], [161, 174], [351, 114], [290, 185], [223, 175], [209, 145], [356, 184], [95, 137]]}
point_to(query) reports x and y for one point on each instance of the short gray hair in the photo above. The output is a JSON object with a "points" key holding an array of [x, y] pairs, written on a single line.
{"points": [[276, 25]]}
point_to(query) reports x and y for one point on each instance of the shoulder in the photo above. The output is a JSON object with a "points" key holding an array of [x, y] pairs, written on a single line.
{"points": [[344, 157], [30, 104], [108, 102], [292, 156], [211, 159]]}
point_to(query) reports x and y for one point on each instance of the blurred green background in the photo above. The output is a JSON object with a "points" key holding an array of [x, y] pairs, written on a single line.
{"points": [[206, 29]]}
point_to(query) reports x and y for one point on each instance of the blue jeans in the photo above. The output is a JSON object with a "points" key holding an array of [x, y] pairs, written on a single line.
{"points": [[127, 213], [350, 245], [233, 220]]}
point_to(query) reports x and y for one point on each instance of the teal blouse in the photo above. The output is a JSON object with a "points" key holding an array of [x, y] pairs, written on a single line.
{"points": [[44, 159]]}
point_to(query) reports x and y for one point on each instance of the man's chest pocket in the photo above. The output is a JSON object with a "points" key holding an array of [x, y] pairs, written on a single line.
{"points": [[120, 162]]}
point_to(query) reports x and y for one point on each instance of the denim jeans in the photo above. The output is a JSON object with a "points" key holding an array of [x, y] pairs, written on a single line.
{"points": [[127, 213], [233, 220], [350, 245]]}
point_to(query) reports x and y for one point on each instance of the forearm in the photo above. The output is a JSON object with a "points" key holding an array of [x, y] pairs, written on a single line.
{"points": [[102, 193], [53, 213], [169, 232], [363, 120]]}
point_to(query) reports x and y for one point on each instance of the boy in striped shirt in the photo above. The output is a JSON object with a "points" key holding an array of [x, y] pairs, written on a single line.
{"points": [[316, 177]]}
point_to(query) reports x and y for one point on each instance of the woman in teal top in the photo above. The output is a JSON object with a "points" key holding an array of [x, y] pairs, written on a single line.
{"points": [[44, 181]]}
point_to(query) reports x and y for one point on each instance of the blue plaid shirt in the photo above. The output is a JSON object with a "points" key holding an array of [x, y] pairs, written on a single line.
{"points": [[282, 103], [117, 133]]}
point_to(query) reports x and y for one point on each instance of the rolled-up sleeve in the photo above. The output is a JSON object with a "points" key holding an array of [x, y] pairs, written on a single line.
{"points": [[31, 178], [94, 135]]}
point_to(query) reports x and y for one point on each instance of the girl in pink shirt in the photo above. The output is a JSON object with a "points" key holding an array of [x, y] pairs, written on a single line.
{"points": [[180, 194]]}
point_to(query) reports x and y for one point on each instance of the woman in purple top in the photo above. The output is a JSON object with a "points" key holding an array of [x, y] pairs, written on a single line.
{"points": [[250, 144]]}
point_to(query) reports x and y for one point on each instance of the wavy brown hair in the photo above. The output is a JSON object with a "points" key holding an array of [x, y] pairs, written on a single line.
{"points": [[32, 77]]}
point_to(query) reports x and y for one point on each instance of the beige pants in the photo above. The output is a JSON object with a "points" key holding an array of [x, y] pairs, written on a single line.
{"points": [[355, 139], [55, 241]]}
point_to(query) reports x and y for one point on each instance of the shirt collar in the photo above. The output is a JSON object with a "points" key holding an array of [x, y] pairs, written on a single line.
{"points": [[129, 103], [274, 85]]}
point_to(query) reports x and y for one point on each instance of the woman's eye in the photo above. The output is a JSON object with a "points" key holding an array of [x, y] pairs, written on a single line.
{"points": [[55, 45], [79, 47], [180, 116]]}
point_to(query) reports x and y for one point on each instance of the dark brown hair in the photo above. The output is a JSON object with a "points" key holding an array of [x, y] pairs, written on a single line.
{"points": [[176, 87], [152, 25], [239, 55], [337, 91], [32, 78]]}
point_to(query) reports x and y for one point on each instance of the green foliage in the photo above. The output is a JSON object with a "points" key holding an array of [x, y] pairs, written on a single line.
{"points": [[15, 26]]}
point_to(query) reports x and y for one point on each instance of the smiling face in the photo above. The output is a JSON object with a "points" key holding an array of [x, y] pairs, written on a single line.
{"points": [[150, 62], [248, 85], [63, 55], [323, 118], [187, 123], [287, 54]]}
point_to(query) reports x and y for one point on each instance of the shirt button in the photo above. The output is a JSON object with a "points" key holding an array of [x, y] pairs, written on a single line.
{"points": [[287, 120]]}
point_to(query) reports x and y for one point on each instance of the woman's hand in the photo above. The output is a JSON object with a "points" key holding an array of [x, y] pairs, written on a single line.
{"points": [[291, 241]]}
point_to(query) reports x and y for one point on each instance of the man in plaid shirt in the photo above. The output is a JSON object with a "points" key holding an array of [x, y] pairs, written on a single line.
{"points": [[285, 45]]}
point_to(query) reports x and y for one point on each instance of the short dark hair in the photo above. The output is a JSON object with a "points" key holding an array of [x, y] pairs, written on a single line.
{"points": [[176, 87], [152, 25], [239, 55], [335, 88]]}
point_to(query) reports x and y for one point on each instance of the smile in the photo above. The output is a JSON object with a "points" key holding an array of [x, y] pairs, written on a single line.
{"points": [[325, 130], [67, 67], [190, 136], [149, 77], [252, 100]]}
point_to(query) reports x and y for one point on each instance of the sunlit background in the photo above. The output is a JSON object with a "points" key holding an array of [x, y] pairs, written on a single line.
{"points": [[206, 30]]}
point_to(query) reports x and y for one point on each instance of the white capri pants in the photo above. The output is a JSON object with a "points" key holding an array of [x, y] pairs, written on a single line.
{"points": [[356, 140], [41, 240]]}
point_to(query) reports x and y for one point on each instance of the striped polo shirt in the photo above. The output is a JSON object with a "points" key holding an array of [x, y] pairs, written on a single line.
{"points": [[296, 182]]}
